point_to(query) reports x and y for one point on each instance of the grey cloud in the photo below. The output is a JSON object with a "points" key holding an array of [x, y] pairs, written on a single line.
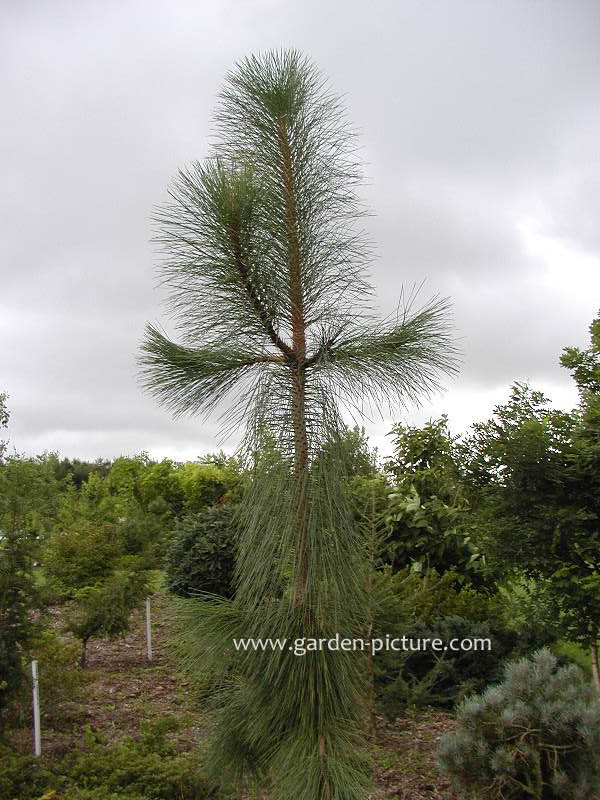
{"points": [[473, 116]]}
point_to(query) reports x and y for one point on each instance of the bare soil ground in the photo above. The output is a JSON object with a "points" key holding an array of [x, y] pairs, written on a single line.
{"points": [[128, 690]]}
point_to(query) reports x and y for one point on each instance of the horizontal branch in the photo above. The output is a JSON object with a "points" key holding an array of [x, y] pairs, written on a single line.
{"points": [[189, 379]]}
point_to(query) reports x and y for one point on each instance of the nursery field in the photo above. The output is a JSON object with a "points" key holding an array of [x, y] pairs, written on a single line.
{"points": [[491, 537], [129, 699]]}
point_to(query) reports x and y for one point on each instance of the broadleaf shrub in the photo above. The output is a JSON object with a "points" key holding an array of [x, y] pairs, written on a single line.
{"points": [[535, 735], [200, 557]]}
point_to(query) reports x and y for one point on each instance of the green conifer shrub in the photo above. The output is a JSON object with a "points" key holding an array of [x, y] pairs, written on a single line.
{"points": [[535, 735], [148, 768], [81, 555], [200, 557]]}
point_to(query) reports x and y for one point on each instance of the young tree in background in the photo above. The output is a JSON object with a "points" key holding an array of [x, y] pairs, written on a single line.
{"points": [[264, 264], [533, 472], [105, 608], [584, 366], [20, 487], [428, 517], [4, 417]]}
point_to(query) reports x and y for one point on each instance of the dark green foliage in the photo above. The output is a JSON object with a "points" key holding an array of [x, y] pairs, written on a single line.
{"points": [[420, 606], [534, 736], [533, 478], [201, 556], [79, 471], [440, 678], [24, 777], [25, 493], [18, 599]]}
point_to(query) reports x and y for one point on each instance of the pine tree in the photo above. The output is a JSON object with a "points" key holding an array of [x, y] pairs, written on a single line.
{"points": [[535, 735], [264, 263]]}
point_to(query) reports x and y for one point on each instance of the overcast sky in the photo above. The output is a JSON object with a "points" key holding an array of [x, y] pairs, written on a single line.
{"points": [[480, 125]]}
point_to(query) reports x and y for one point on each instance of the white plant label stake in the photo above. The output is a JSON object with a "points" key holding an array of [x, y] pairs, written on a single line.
{"points": [[37, 736], [148, 630]]}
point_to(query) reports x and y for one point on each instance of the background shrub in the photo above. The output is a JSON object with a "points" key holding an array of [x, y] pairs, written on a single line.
{"points": [[63, 684], [431, 606], [440, 678], [18, 602], [535, 735], [79, 556], [147, 769], [200, 557], [23, 777]]}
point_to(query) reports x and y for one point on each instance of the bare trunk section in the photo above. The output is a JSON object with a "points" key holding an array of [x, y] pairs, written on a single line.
{"points": [[326, 789], [594, 654]]}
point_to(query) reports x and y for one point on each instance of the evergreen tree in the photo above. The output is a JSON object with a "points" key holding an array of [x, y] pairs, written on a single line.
{"points": [[535, 735], [4, 417], [533, 474], [264, 263], [22, 489]]}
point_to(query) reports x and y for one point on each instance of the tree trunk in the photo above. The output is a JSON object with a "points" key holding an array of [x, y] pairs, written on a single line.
{"points": [[298, 372], [301, 484], [297, 369], [326, 789], [594, 653]]}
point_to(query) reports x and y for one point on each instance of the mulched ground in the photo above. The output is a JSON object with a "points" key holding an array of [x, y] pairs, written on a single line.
{"points": [[127, 690], [406, 762]]}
